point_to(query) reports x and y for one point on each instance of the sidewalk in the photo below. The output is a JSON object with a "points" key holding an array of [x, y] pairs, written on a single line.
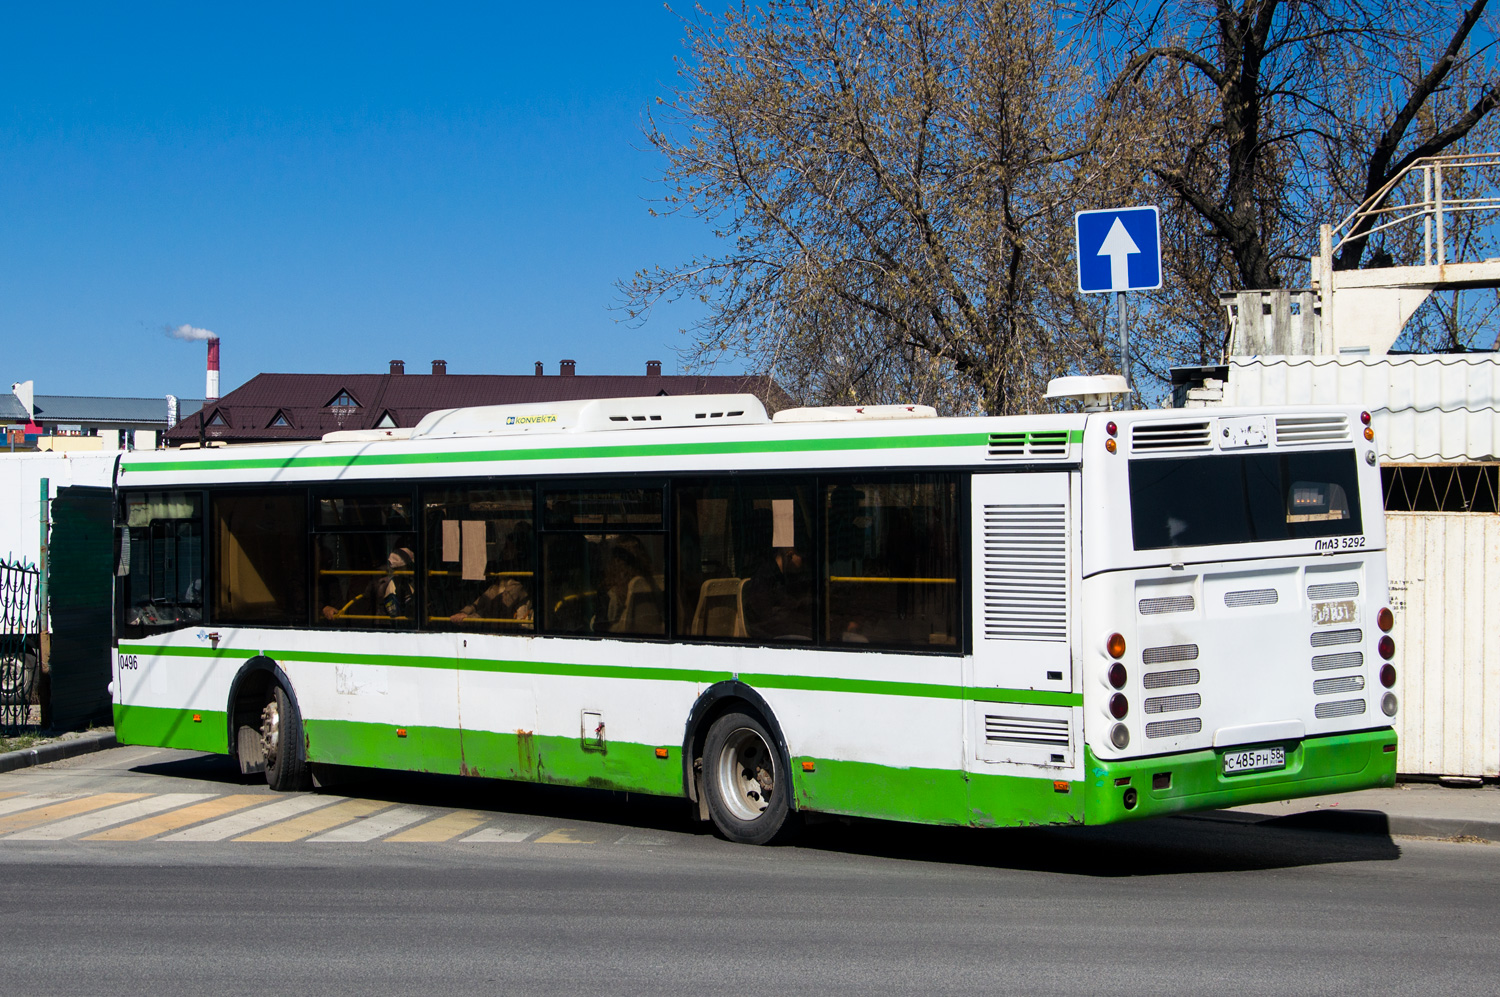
{"points": [[1418, 809]]}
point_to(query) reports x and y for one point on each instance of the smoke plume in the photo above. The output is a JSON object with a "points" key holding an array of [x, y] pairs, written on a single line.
{"points": [[190, 333]]}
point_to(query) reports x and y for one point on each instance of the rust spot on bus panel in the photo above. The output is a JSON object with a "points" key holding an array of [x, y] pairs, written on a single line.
{"points": [[526, 753]]}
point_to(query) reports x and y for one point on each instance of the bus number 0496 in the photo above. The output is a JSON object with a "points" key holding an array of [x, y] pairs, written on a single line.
{"points": [[130, 661]]}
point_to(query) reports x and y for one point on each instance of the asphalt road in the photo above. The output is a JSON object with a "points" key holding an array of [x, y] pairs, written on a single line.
{"points": [[559, 892]]}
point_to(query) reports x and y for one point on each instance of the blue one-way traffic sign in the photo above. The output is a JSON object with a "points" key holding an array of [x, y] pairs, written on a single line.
{"points": [[1119, 249]]}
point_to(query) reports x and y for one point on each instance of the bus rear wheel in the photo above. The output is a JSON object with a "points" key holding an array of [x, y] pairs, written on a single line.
{"points": [[746, 781], [283, 745]]}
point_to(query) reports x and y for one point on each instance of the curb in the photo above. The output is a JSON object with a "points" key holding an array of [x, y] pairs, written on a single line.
{"points": [[1363, 822], [56, 751]]}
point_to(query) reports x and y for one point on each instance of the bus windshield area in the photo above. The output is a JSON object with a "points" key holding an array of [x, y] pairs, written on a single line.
{"points": [[160, 559], [1243, 498]]}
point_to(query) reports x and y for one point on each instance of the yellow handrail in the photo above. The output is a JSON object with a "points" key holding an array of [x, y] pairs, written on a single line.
{"points": [[877, 578]]}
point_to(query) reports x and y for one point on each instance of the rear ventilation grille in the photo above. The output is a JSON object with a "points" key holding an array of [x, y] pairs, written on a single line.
{"points": [[1340, 590], [1026, 730], [1174, 728], [1170, 680], [1147, 437], [1025, 572], [1333, 662], [1328, 638], [1166, 655], [1343, 708], [1167, 604], [1344, 683], [1250, 597], [1292, 430], [1174, 704], [1011, 446]]}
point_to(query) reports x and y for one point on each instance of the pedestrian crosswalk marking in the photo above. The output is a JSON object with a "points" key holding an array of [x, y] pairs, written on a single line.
{"points": [[272, 817], [240, 823], [498, 834], [22, 802], [84, 823], [195, 814], [309, 824], [444, 828], [377, 826], [56, 811], [564, 836]]}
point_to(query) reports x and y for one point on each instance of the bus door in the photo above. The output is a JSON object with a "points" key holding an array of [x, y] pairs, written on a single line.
{"points": [[1024, 563]]}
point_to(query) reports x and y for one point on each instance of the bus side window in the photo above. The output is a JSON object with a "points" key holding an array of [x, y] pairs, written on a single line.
{"points": [[891, 561], [745, 564], [604, 561], [160, 563], [480, 559], [260, 558]]}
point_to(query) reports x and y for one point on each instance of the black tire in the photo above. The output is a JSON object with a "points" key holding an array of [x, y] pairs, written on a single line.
{"points": [[18, 679], [285, 747], [747, 781]]}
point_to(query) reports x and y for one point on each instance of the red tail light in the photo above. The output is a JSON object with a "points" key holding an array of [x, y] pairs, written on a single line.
{"points": [[1385, 619], [1118, 706], [1387, 674], [1386, 647], [1117, 675]]}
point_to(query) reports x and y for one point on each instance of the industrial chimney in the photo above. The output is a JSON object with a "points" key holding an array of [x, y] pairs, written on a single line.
{"points": [[211, 386]]}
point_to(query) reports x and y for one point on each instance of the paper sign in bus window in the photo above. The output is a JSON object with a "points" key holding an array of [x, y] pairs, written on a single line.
{"points": [[473, 559], [782, 519], [451, 542]]}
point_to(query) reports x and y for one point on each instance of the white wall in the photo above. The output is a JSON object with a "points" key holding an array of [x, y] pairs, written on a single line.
{"points": [[20, 493]]}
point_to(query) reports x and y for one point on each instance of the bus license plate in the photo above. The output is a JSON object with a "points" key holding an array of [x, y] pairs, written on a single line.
{"points": [[1326, 613], [1254, 760]]}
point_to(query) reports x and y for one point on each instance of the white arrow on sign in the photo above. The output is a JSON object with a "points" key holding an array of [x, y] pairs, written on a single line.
{"points": [[1118, 245]]}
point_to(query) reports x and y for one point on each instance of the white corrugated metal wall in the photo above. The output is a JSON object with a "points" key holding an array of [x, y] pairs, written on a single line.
{"points": [[1431, 407], [1444, 567], [1445, 591]]}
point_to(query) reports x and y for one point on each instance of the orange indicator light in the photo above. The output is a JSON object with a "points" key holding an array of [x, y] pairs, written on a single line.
{"points": [[197, 718], [661, 752], [1059, 786], [808, 767], [1111, 445], [400, 731], [1115, 645], [1369, 433]]}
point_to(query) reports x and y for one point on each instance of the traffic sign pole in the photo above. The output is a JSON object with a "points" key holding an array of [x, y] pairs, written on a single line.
{"points": [[1124, 340]]}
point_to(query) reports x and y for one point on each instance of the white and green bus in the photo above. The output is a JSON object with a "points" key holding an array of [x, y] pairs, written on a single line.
{"points": [[1044, 619]]}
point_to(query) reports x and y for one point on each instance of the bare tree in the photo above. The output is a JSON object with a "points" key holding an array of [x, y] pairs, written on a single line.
{"points": [[893, 184]]}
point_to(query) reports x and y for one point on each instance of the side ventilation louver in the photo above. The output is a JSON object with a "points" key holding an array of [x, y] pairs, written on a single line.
{"points": [[1292, 430], [1250, 597], [1026, 730], [1022, 446], [1148, 437], [1025, 572], [1338, 590], [1172, 679], [1164, 655], [1174, 704], [1344, 683]]}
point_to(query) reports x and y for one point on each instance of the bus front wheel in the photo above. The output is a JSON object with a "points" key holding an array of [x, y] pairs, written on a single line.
{"points": [[281, 740], [746, 781]]}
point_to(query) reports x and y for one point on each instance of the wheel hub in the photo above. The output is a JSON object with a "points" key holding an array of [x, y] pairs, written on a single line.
{"points": [[746, 774], [270, 730]]}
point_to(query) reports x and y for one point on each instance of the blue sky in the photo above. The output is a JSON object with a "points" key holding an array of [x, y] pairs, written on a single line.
{"points": [[328, 188]]}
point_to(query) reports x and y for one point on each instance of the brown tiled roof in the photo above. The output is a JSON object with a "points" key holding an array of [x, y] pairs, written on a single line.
{"points": [[303, 399]]}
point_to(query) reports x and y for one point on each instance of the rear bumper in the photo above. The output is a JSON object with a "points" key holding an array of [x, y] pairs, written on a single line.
{"points": [[1195, 780]]}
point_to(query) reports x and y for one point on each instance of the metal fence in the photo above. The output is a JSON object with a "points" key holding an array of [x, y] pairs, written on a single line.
{"points": [[19, 593]]}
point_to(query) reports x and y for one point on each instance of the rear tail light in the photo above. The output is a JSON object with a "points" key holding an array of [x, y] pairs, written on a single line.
{"points": [[1388, 704], [1117, 675], [1364, 417], [1119, 736], [1115, 645], [1111, 445], [1385, 619], [1387, 674], [1387, 647], [1118, 706]]}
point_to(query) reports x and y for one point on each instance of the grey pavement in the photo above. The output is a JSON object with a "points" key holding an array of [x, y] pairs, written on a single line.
{"points": [[1420, 809]]}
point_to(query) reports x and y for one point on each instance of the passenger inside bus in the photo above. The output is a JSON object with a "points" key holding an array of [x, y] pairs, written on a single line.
{"points": [[507, 599], [385, 599], [778, 598]]}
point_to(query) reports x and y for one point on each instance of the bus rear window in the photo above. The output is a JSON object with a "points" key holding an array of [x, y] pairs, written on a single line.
{"points": [[1243, 498]]}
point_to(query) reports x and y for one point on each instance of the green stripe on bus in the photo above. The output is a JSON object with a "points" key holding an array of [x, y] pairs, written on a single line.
{"points": [[698, 676], [573, 453], [168, 728]]}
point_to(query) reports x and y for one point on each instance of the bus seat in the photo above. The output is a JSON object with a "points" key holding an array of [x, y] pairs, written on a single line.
{"points": [[721, 609], [642, 613]]}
